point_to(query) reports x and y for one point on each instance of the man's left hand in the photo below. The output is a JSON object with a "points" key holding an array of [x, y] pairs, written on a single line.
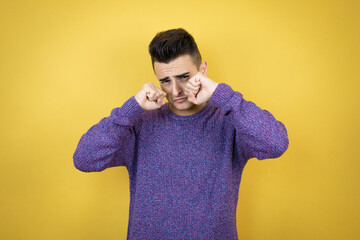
{"points": [[199, 89]]}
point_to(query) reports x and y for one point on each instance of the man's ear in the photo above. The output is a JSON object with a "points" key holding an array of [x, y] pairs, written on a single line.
{"points": [[203, 68]]}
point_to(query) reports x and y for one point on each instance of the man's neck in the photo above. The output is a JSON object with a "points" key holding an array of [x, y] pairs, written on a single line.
{"points": [[187, 112]]}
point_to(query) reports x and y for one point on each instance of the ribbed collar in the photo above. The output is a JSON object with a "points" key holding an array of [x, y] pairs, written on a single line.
{"points": [[201, 113]]}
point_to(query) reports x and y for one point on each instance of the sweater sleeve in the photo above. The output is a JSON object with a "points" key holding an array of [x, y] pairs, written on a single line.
{"points": [[258, 134], [110, 142]]}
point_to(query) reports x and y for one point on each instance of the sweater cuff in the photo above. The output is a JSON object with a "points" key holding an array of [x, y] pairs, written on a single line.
{"points": [[221, 95], [130, 110]]}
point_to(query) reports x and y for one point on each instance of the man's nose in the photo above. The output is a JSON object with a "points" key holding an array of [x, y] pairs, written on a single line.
{"points": [[177, 89]]}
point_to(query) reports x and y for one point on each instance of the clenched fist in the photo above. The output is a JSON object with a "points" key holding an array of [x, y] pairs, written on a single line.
{"points": [[150, 97], [199, 89]]}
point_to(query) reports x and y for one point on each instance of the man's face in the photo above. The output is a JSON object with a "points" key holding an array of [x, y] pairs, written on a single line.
{"points": [[173, 77]]}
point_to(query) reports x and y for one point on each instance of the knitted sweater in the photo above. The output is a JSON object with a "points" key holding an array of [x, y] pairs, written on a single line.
{"points": [[184, 171]]}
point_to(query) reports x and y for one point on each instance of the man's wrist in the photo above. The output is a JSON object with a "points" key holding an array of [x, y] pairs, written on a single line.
{"points": [[213, 88]]}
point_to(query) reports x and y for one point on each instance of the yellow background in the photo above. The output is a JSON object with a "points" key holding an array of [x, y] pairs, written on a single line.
{"points": [[64, 65]]}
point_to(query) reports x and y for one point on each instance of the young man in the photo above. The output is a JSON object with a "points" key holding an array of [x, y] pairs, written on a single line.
{"points": [[185, 156]]}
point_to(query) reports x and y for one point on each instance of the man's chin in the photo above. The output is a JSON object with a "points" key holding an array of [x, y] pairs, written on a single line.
{"points": [[182, 105]]}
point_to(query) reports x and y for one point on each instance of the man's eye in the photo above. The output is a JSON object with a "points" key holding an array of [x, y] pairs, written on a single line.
{"points": [[164, 81], [185, 77]]}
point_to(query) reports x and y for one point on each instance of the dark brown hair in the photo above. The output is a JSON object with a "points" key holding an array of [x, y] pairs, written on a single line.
{"points": [[170, 44]]}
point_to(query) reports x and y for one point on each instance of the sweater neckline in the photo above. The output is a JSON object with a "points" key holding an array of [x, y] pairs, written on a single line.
{"points": [[196, 115]]}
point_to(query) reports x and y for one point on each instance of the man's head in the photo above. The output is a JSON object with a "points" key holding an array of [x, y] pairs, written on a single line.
{"points": [[170, 44], [175, 59]]}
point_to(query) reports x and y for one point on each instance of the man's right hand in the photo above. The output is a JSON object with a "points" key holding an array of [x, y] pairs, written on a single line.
{"points": [[150, 97]]}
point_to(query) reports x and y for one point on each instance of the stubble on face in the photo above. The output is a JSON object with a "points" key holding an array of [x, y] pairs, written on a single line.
{"points": [[172, 81]]}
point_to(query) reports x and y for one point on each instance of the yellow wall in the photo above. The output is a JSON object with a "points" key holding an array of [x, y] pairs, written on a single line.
{"points": [[64, 65]]}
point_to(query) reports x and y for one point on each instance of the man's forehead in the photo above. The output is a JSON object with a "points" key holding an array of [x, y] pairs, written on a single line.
{"points": [[175, 67]]}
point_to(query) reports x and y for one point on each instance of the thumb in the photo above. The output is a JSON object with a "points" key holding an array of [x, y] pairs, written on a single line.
{"points": [[160, 101], [191, 97]]}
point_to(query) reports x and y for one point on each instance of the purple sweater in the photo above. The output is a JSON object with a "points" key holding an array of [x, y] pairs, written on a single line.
{"points": [[184, 171]]}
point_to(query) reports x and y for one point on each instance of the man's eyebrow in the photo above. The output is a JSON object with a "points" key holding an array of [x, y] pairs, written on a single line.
{"points": [[177, 76], [181, 75], [163, 79]]}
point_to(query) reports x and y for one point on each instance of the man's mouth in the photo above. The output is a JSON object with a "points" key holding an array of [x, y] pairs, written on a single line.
{"points": [[180, 100]]}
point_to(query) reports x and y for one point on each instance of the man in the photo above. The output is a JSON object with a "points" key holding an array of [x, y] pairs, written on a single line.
{"points": [[185, 156]]}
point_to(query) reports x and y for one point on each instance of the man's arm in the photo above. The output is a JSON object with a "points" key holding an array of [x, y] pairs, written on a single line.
{"points": [[111, 142], [258, 133]]}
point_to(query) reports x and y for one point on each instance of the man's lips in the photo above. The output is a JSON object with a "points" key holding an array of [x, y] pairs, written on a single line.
{"points": [[180, 99]]}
